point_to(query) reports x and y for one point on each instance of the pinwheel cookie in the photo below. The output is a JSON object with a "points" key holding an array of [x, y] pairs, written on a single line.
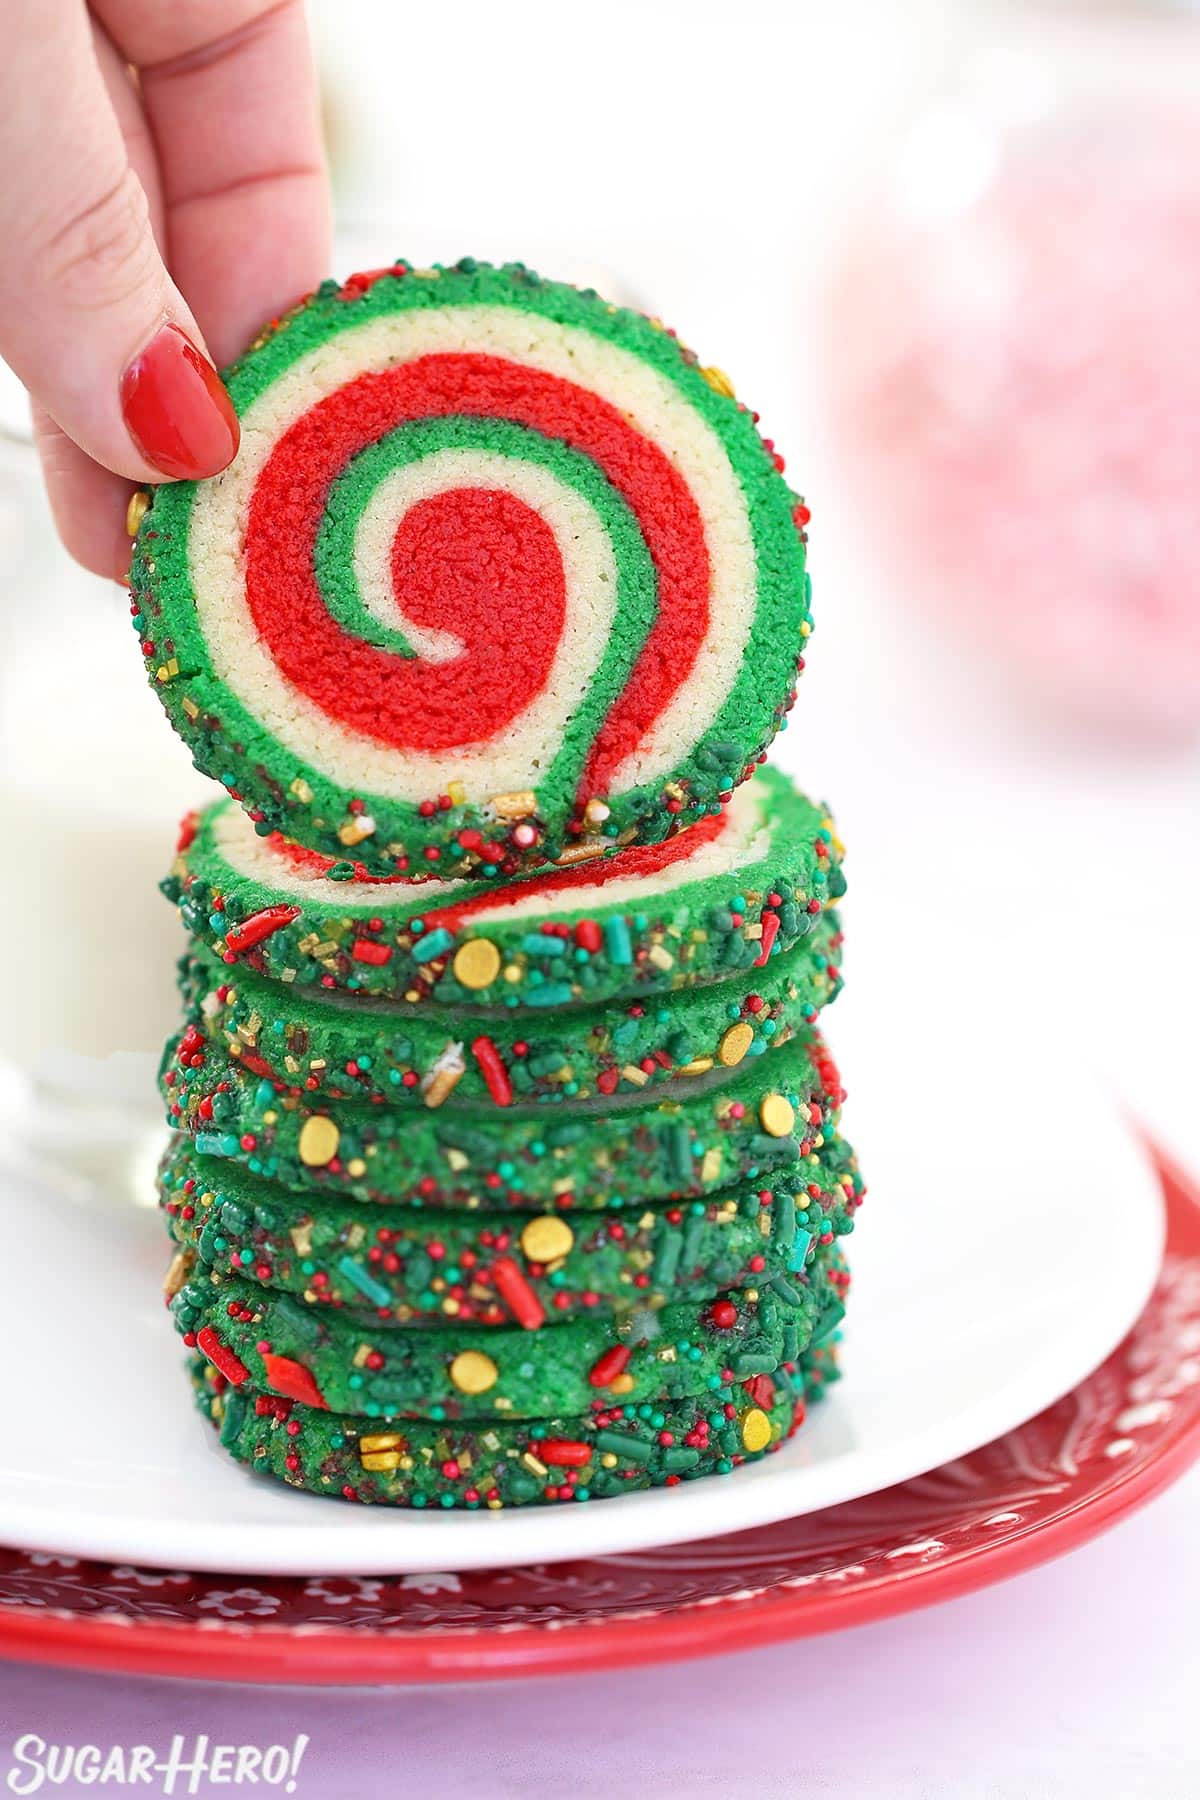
{"points": [[416, 1265], [737, 887], [682, 1142], [411, 1056], [501, 576], [279, 1344], [613, 1449]]}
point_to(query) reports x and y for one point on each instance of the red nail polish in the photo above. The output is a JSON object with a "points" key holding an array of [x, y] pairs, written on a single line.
{"points": [[176, 410]]}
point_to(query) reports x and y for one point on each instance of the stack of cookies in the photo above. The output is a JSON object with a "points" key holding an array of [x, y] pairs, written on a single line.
{"points": [[506, 1165]]}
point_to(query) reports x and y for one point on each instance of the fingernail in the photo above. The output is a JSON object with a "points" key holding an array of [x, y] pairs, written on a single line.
{"points": [[176, 410]]}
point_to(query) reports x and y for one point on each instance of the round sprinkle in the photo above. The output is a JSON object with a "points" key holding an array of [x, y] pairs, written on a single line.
{"points": [[318, 1141], [473, 1373], [545, 1240], [755, 1429], [734, 1043], [775, 1115], [476, 963]]}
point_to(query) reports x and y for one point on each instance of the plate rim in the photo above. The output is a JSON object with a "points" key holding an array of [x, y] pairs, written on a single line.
{"points": [[333, 1656]]}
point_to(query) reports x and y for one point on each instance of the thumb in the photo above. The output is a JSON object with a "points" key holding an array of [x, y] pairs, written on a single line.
{"points": [[89, 318]]}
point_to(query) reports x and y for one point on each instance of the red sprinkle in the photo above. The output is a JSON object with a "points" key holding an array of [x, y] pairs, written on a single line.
{"points": [[259, 925], [493, 1070], [770, 931], [294, 1380], [562, 1453], [612, 1363], [366, 950], [516, 1293], [221, 1357]]}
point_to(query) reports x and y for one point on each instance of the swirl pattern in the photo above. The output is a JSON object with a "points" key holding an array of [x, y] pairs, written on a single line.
{"points": [[499, 577]]}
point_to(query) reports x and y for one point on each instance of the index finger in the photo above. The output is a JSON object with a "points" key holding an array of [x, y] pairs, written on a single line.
{"points": [[230, 94]]}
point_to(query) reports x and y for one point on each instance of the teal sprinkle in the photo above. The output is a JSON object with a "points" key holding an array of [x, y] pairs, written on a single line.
{"points": [[356, 1381], [447, 1499], [363, 1281], [549, 993], [436, 944], [216, 1143], [264, 1093], [617, 940], [799, 1251], [539, 944]]}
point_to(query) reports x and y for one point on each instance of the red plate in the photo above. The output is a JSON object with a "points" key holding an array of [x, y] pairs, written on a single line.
{"points": [[1120, 1437]]}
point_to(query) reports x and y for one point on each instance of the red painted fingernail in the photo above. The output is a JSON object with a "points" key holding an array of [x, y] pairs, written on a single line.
{"points": [[176, 410]]}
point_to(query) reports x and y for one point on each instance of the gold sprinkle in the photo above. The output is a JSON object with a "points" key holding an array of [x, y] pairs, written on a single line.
{"points": [[476, 963], [775, 1115], [379, 1461], [178, 1270], [357, 827], [621, 1384], [319, 1139], [710, 1164], [135, 512], [456, 793], [699, 1065], [361, 1355], [631, 1073], [755, 1429], [473, 1373], [458, 1161], [662, 959], [530, 1461], [608, 1460], [734, 1043], [382, 1440], [301, 1236], [190, 707], [514, 806], [356, 1167], [302, 791], [583, 851], [545, 1240], [719, 381], [595, 812]]}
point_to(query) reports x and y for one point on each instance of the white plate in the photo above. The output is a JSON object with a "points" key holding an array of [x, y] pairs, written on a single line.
{"points": [[1012, 1234]]}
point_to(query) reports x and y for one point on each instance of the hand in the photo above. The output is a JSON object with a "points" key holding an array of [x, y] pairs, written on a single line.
{"points": [[138, 136]]}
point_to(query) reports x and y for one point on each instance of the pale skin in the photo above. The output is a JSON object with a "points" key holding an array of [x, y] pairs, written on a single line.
{"points": [[162, 164]]}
